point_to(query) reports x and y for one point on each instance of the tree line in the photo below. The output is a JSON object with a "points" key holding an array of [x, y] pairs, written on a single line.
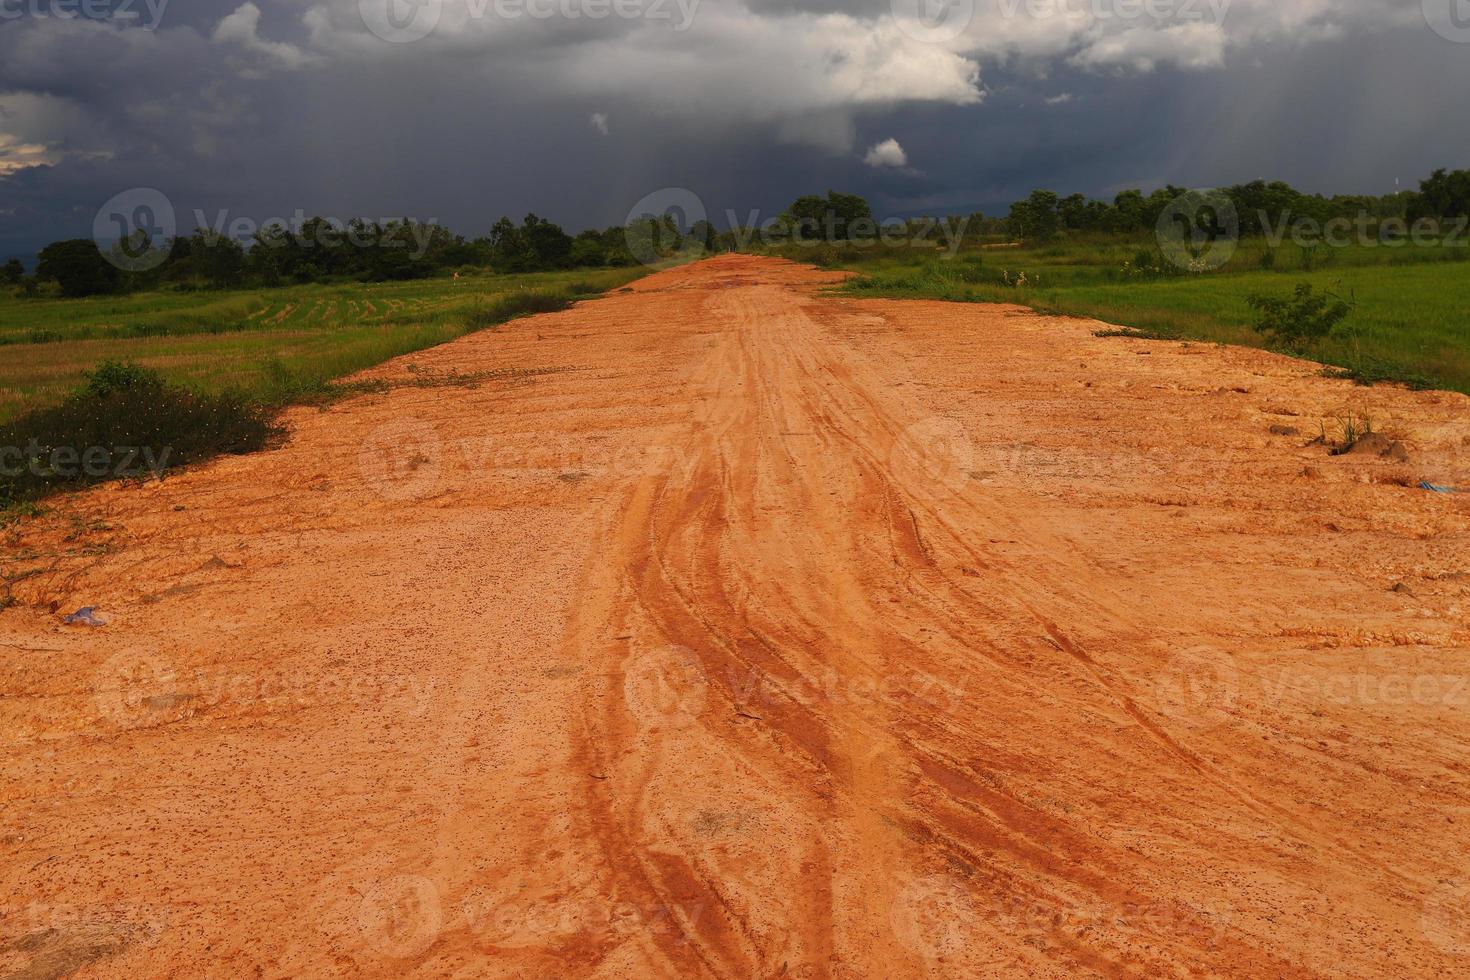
{"points": [[323, 250], [1259, 207]]}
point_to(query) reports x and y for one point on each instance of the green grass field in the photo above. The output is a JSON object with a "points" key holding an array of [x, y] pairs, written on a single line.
{"points": [[1411, 320], [269, 343]]}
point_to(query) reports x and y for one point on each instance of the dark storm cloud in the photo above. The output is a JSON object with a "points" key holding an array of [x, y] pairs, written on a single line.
{"points": [[260, 110]]}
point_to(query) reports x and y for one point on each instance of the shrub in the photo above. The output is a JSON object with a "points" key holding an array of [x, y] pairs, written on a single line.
{"points": [[513, 305], [1307, 317], [125, 422]]}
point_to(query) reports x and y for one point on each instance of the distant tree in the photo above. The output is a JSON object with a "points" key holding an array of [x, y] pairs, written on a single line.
{"points": [[1130, 207], [1036, 218], [649, 238], [808, 215], [1444, 194], [79, 267], [1072, 210], [536, 245], [278, 256], [587, 250], [548, 245], [615, 247], [832, 217], [210, 258], [849, 210], [12, 272], [703, 236]]}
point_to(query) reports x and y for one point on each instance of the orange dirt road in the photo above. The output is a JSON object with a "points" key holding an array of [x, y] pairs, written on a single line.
{"points": [[731, 628]]}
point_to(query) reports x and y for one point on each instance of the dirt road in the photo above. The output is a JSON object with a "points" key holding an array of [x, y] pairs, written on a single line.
{"points": [[722, 627]]}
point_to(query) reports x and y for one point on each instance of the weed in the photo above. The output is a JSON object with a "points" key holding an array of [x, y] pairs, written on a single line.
{"points": [[125, 422], [1307, 318], [1369, 371], [1136, 333], [17, 511], [1352, 428], [514, 305]]}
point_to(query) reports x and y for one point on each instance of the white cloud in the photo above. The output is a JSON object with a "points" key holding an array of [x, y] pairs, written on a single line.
{"points": [[1188, 34], [804, 75], [242, 28], [1194, 46], [1061, 99], [887, 154], [599, 122]]}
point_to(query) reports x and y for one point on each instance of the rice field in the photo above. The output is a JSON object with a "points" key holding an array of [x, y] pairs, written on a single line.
{"points": [[1411, 306], [266, 342]]}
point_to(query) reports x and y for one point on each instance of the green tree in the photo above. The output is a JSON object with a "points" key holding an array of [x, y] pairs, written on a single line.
{"points": [[209, 257], [1444, 194], [829, 218], [702, 236], [548, 245], [79, 267], [12, 272], [1036, 218]]}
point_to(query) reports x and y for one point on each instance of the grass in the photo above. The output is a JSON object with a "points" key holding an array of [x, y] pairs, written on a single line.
{"points": [[1410, 320], [272, 346], [125, 423]]}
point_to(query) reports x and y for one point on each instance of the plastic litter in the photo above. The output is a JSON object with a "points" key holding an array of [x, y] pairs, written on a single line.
{"points": [[85, 616], [1436, 488]]}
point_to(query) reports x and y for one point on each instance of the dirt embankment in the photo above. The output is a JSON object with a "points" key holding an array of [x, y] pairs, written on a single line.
{"points": [[751, 631]]}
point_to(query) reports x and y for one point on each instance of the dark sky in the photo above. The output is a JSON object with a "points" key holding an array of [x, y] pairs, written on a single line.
{"points": [[258, 110]]}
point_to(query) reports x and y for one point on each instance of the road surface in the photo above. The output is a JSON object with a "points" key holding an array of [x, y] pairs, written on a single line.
{"points": [[727, 627]]}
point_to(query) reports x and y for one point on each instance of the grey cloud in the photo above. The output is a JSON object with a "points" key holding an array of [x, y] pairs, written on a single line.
{"points": [[749, 108]]}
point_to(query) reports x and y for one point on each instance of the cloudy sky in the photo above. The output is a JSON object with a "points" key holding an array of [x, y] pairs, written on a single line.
{"points": [[463, 110]]}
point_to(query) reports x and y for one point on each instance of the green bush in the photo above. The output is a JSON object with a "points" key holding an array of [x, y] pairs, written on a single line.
{"points": [[125, 422], [513, 305], [1306, 318]]}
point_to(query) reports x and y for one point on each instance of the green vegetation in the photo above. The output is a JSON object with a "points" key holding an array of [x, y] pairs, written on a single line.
{"points": [[125, 422], [1306, 319], [1410, 316], [187, 376], [1379, 287], [322, 250], [272, 345]]}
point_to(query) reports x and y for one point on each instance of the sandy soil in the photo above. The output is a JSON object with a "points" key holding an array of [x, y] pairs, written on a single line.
{"points": [[736, 629]]}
